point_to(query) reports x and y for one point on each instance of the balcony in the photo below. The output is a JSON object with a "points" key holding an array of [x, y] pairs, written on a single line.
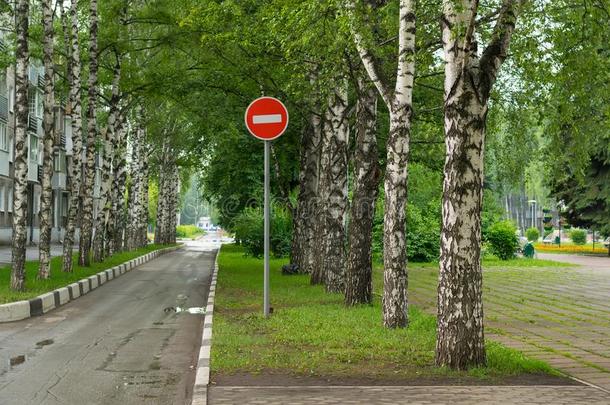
{"points": [[3, 108], [41, 81]]}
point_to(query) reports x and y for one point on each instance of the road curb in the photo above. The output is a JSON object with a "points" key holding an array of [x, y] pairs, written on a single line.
{"points": [[16, 311], [202, 378]]}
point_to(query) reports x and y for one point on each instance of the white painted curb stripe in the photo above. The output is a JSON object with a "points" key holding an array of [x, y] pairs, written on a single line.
{"points": [[202, 378]]}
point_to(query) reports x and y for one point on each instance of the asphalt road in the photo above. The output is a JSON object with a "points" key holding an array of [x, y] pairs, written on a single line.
{"points": [[119, 344]]}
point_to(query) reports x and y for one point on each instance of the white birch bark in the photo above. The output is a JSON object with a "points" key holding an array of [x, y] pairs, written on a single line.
{"points": [[74, 111], [399, 103], [144, 178], [86, 229], [119, 186], [135, 215], [319, 244], [48, 142], [20, 158], [106, 154], [336, 208], [468, 82], [367, 174]]}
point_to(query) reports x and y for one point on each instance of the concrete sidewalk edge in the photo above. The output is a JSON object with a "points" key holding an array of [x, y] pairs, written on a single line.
{"points": [[202, 378], [16, 311]]}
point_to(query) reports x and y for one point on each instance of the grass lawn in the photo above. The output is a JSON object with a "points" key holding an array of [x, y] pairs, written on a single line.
{"points": [[58, 278], [312, 333]]}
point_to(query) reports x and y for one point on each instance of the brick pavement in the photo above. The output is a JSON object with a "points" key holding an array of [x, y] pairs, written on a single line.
{"points": [[559, 315], [415, 395]]}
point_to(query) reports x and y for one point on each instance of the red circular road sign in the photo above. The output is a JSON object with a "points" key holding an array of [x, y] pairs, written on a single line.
{"points": [[266, 118]]}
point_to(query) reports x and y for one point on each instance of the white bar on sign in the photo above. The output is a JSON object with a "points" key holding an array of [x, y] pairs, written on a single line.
{"points": [[267, 119]]}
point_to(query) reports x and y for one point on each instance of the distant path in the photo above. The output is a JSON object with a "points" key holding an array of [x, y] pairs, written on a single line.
{"points": [[593, 262], [117, 344]]}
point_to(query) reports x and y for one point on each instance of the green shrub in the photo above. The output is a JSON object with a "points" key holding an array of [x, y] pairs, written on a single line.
{"points": [[188, 231], [578, 236], [532, 234], [249, 231], [423, 232], [503, 240]]}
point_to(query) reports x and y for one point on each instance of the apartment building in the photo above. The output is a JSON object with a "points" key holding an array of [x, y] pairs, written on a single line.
{"points": [[61, 157]]}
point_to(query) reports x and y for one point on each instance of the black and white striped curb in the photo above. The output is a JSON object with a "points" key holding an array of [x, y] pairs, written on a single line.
{"points": [[16, 311], [202, 378]]}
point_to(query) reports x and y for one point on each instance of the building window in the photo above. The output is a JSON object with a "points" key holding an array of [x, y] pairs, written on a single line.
{"points": [[11, 99], [3, 137], [33, 149], [10, 199], [59, 162], [3, 88], [2, 207], [32, 102]]}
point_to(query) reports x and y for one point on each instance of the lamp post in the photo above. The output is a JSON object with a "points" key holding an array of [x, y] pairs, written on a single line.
{"points": [[533, 211]]}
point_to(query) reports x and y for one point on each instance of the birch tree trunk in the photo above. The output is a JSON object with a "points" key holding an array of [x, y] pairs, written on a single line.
{"points": [[399, 103], [335, 238], [367, 173], [468, 82], [74, 111], [105, 201], [119, 186], [304, 228], [89, 175], [175, 199], [20, 158], [161, 225], [143, 228], [135, 192], [48, 142], [318, 275]]}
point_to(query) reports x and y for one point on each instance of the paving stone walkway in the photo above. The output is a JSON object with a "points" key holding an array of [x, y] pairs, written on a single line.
{"points": [[559, 315], [506, 395]]}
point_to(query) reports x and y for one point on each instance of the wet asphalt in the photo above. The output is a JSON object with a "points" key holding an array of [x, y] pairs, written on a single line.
{"points": [[123, 343]]}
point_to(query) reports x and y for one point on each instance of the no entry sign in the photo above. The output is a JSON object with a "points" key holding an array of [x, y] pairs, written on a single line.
{"points": [[266, 118]]}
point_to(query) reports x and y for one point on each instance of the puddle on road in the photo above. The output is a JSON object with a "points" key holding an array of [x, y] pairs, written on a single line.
{"points": [[17, 360], [180, 307], [45, 342], [192, 310]]}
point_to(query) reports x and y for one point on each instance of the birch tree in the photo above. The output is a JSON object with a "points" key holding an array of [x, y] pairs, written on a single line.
{"points": [[119, 167], [106, 155], [20, 200], [74, 112], [307, 201], [48, 142], [399, 104], [336, 200], [469, 79], [144, 179], [367, 173], [318, 275], [86, 229]]}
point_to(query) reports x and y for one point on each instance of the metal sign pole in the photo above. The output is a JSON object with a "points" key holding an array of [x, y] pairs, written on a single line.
{"points": [[267, 212]]}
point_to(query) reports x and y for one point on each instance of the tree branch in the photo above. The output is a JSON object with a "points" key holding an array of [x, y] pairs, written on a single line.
{"points": [[496, 51]]}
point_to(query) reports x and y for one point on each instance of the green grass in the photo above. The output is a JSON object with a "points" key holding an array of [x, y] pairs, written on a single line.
{"points": [[188, 231], [58, 278], [312, 332]]}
